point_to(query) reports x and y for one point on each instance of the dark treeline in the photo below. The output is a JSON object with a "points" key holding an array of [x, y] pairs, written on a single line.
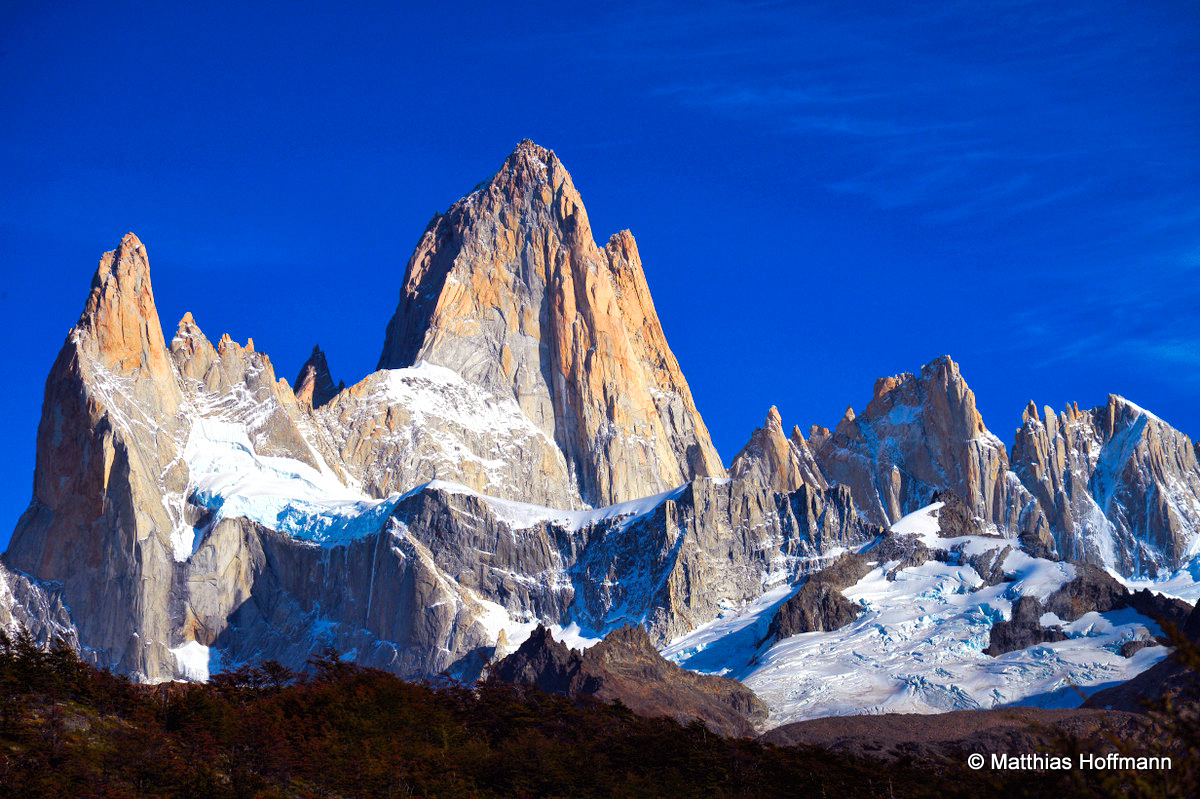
{"points": [[68, 729]]}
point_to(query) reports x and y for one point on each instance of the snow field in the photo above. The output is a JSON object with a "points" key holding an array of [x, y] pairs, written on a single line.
{"points": [[917, 646]]}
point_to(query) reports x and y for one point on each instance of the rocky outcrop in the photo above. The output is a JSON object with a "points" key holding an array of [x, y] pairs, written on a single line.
{"points": [[1091, 589], [955, 517], [919, 435], [626, 667], [1119, 487], [34, 608], [314, 384], [819, 605], [1023, 630], [508, 289], [989, 565], [1166, 611]]}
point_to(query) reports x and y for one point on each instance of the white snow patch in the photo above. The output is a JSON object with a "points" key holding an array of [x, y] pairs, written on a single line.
{"points": [[917, 648], [191, 660], [517, 631], [1184, 584], [922, 522], [229, 478], [426, 389], [523, 515]]}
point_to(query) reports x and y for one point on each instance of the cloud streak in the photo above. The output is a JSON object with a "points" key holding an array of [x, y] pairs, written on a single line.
{"points": [[961, 112]]}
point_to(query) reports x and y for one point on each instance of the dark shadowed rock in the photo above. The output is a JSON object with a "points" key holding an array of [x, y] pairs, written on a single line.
{"points": [[1131, 648], [908, 550], [989, 565], [951, 737], [818, 605], [541, 661], [1023, 630], [1164, 610], [1092, 589], [314, 384], [625, 666]]}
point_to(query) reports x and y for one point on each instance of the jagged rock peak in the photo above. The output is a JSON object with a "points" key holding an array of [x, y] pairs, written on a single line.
{"points": [[919, 434], [509, 290], [774, 420], [625, 666], [780, 463], [939, 380], [314, 384], [119, 321], [529, 154], [1120, 487]]}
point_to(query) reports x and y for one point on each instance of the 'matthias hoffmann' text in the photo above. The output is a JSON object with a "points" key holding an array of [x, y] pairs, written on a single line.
{"points": [[1089, 762]]}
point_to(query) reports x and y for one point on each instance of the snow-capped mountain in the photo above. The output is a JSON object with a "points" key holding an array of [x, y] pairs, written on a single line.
{"points": [[529, 453]]}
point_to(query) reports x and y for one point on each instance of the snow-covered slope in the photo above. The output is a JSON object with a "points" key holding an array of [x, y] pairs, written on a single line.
{"points": [[918, 644], [397, 428]]}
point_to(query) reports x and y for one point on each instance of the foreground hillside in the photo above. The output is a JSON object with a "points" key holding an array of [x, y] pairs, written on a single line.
{"points": [[67, 729]]}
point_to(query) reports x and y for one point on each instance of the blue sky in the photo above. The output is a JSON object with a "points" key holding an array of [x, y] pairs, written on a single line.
{"points": [[823, 193]]}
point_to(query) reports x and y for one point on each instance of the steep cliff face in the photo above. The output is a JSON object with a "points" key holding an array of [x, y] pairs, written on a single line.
{"points": [[1120, 487], [108, 451], [130, 479], [509, 290], [920, 434]]}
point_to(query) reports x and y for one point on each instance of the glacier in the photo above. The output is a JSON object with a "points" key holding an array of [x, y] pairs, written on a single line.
{"points": [[918, 645]]}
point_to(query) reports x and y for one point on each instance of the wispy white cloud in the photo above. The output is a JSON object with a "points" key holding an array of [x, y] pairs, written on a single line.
{"points": [[942, 106]]}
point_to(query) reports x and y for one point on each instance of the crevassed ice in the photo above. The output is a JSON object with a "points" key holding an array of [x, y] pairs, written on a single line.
{"points": [[917, 646]]}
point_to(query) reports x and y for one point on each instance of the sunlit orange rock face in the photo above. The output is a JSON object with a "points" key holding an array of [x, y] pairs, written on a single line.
{"points": [[509, 289]]}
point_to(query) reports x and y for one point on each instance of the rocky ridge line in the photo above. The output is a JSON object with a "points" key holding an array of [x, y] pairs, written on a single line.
{"points": [[626, 667]]}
